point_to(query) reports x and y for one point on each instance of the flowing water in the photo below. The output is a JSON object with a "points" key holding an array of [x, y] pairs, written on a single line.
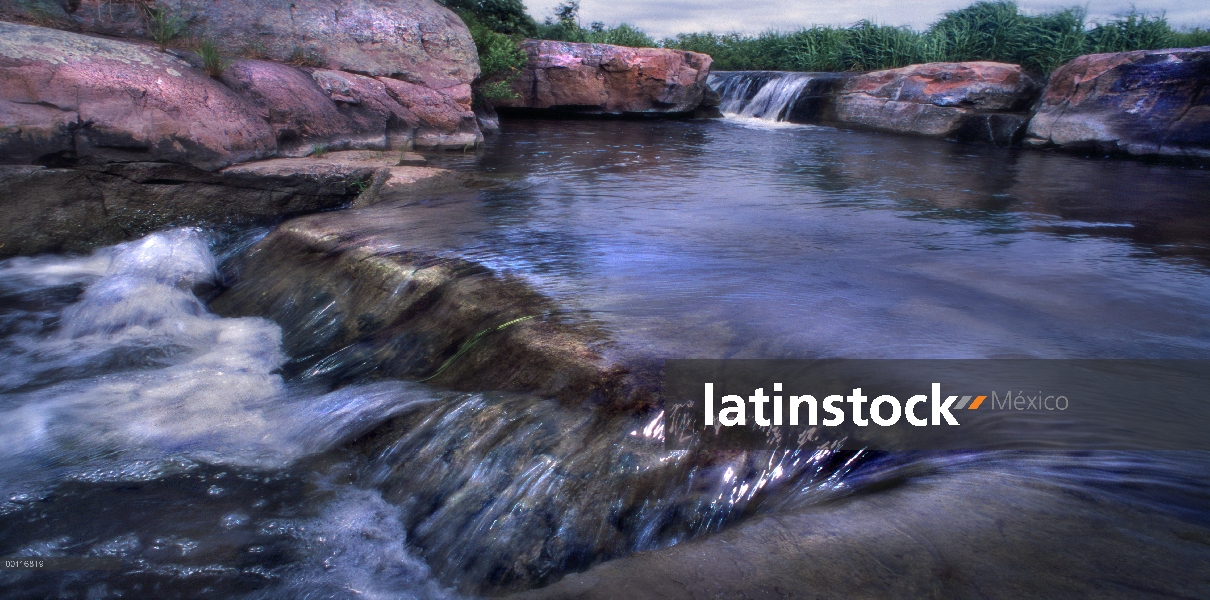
{"points": [[760, 95], [137, 424]]}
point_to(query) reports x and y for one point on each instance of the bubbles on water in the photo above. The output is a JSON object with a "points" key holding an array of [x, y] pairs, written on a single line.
{"points": [[139, 372], [507, 491], [357, 548], [127, 379]]}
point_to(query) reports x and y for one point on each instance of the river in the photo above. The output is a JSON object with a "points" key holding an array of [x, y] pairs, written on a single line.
{"points": [[136, 423]]}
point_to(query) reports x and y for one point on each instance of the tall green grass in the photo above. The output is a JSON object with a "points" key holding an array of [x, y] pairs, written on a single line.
{"points": [[996, 31], [1191, 38]]}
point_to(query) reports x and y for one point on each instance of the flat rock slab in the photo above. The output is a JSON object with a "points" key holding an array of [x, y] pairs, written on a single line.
{"points": [[1149, 102], [76, 209], [962, 535]]}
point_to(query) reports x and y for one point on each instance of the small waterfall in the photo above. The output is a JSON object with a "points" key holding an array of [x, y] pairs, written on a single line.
{"points": [[768, 95]]}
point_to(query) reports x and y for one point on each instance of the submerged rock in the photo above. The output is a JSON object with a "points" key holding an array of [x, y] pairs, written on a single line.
{"points": [[606, 79], [939, 100], [74, 209], [1148, 102], [397, 311], [72, 97]]}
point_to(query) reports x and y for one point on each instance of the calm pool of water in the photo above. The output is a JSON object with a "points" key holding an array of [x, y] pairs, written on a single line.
{"points": [[736, 238]]}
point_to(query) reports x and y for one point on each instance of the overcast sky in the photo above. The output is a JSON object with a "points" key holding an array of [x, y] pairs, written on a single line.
{"points": [[663, 18]]}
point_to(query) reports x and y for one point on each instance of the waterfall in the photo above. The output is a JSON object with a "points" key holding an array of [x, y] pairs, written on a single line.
{"points": [[769, 95]]}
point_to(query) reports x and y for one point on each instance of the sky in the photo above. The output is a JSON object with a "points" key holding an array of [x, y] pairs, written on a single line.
{"points": [[665, 18]]}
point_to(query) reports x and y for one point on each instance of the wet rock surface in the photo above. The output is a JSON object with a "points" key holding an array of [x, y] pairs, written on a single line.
{"points": [[901, 543], [1151, 102], [606, 79], [395, 311], [939, 100], [75, 209]]}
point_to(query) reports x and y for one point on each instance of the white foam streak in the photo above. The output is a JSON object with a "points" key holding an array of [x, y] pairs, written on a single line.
{"points": [[186, 382]]}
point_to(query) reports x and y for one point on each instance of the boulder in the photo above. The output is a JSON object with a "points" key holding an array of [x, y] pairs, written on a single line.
{"points": [[76, 209], [302, 114], [72, 97], [936, 99], [416, 40], [308, 108], [1148, 102], [605, 79]]}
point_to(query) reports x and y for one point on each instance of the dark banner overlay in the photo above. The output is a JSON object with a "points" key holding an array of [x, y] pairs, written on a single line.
{"points": [[61, 563], [991, 404]]}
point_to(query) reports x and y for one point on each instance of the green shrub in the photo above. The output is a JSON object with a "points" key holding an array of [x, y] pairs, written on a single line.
{"points": [[500, 59], [502, 16], [565, 27], [213, 61]]}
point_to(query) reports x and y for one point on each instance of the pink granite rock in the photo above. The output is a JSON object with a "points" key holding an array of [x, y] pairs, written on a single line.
{"points": [[600, 78], [98, 100]]}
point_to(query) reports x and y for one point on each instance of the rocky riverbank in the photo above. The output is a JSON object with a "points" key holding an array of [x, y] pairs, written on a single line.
{"points": [[1146, 103]]}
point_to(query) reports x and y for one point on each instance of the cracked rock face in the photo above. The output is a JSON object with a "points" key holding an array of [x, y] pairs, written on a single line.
{"points": [[76, 99], [1149, 102], [600, 78], [344, 110], [415, 40], [100, 100]]}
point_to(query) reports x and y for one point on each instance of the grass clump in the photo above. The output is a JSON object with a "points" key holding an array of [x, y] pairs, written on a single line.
{"points": [[213, 61], [255, 49], [302, 56], [164, 26], [319, 150]]}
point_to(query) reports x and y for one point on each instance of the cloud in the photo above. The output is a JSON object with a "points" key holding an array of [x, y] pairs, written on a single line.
{"points": [[664, 18]]}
